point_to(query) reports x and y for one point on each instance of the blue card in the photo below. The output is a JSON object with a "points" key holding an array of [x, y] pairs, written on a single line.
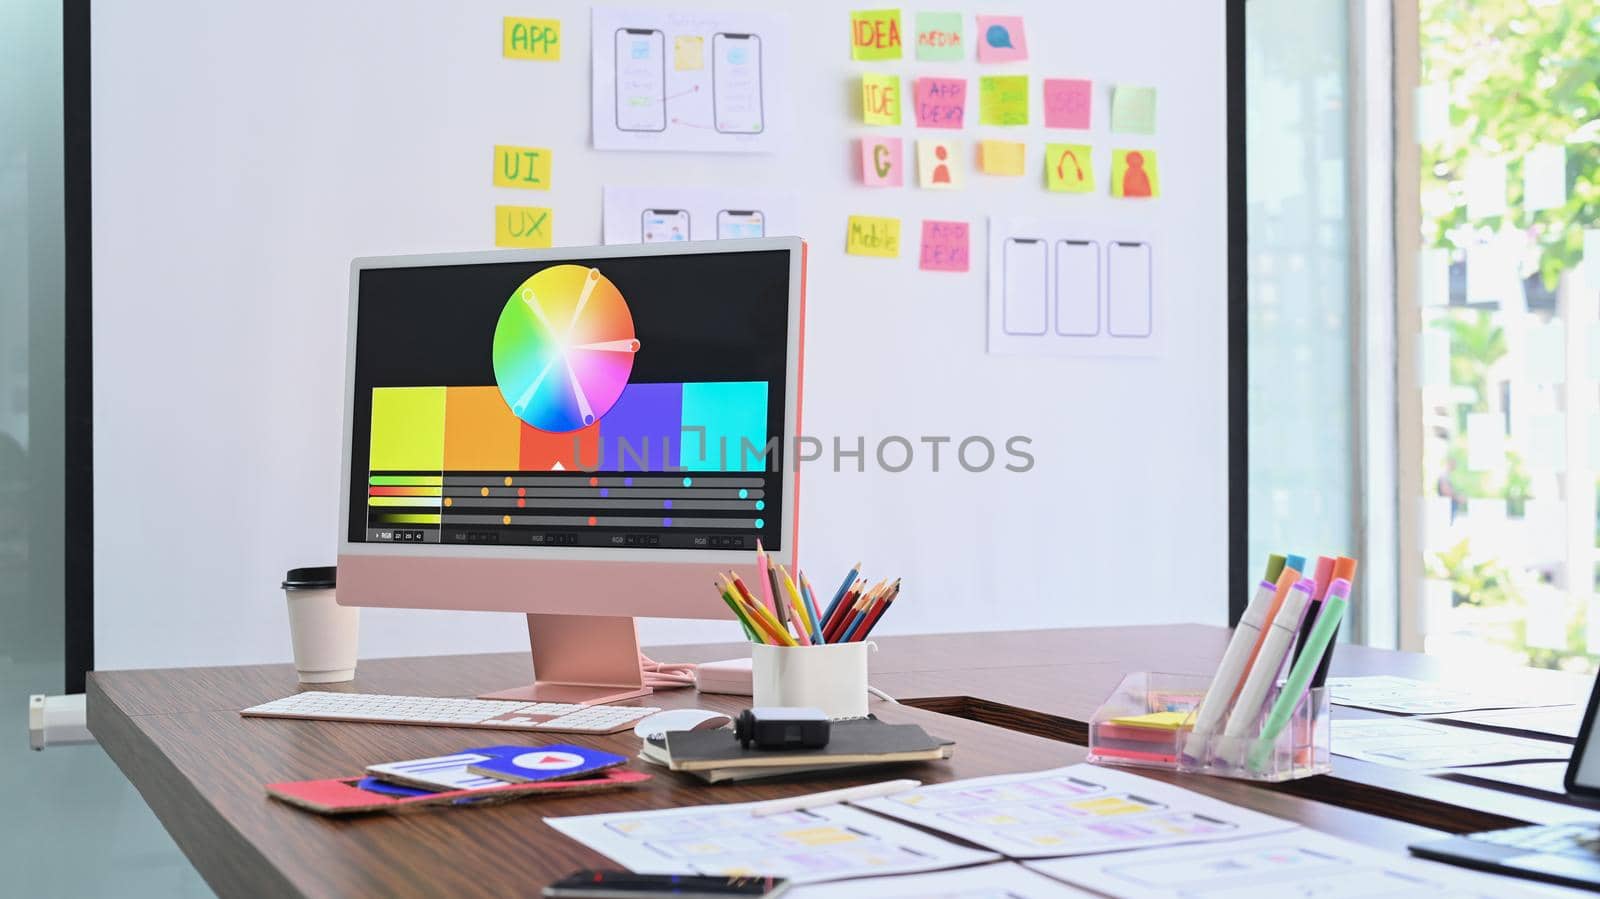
{"points": [[374, 785], [539, 763]]}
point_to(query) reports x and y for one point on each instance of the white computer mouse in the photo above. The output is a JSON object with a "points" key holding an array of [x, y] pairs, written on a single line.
{"points": [[679, 719]]}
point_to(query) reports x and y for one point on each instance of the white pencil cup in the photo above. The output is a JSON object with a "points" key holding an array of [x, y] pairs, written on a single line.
{"points": [[322, 633], [832, 678]]}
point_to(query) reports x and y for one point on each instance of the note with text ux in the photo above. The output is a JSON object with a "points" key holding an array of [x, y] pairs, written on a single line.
{"points": [[873, 236], [522, 226]]}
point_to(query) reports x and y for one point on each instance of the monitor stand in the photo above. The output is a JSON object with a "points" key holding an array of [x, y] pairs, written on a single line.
{"points": [[585, 659]]}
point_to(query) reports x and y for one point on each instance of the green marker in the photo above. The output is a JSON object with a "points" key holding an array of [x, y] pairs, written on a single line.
{"points": [[1275, 563], [1300, 675]]}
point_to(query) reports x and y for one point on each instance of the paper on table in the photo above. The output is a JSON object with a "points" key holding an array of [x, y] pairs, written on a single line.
{"points": [[828, 843], [1003, 881], [1546, 777], [1299, 862], [1408, 696], [1074, 810], [653, 214], [1423, 746], [689, 80], [1557, 721]]}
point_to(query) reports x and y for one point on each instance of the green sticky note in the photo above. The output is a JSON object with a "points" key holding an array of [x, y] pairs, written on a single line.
{"points": [[880, 99], [875, 34], [1003, 100], [1133, 110], [939, 37]]}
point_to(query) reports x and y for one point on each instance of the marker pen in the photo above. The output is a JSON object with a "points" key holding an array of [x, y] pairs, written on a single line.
{"points": [[1294, 689], [1258, 683], [1323, 577], [1231, 670], [1275, 563], [1343, 567]]}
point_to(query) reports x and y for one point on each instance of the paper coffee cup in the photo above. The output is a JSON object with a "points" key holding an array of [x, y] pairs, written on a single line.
{"points": [[322, 632]]}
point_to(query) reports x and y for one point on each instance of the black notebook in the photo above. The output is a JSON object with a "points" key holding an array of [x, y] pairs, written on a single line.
{"points": [[864, 741]]}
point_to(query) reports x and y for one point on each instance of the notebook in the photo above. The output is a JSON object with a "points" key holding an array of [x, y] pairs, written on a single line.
{"points": [[717, 755]]}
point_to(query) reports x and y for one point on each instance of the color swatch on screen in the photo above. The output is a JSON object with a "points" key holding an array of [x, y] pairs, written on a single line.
{"points": [[563, 348]]}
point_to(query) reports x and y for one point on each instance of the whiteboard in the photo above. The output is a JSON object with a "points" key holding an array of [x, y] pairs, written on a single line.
{"points": [[243, 154]]}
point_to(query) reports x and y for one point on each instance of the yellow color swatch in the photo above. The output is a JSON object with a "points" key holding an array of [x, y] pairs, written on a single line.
{"points": [[531, 39], [1158, 720], [1001, 157], [481, 433], [872, 236], [525, 167], [407, 429], [688, 53], [1069, 168], [522, 226], [880, 99]]}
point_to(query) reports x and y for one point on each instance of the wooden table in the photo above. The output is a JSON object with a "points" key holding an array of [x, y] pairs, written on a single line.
{"points": [[178, 737]]}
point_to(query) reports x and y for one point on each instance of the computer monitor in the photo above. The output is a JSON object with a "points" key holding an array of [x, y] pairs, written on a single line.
{"points": [[583, 435]]}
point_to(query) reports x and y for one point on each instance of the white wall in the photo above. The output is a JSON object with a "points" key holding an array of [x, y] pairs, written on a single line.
{"points": [[244, 153]]}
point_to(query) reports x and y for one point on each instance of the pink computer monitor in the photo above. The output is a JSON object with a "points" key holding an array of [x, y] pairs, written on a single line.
{"points": [[583, 435]]}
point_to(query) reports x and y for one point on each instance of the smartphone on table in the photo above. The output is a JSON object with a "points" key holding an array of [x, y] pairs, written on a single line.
{"points": [[626, 885]]}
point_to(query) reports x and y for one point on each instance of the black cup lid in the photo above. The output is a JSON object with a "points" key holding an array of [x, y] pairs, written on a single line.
{"points": [[321, 578]]}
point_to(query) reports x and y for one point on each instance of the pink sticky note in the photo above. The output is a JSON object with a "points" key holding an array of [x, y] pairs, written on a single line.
{"points": [[1066, 102], [1001, 39], [941, 102], [882, 162], [944, 246]]}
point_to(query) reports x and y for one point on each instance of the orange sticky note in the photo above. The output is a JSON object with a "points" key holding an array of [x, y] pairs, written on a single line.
{"points": [[1133, 174], [1001, 157]]}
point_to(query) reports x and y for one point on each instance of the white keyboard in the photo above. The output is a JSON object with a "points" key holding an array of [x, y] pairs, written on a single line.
{"points": [[496, 714]]}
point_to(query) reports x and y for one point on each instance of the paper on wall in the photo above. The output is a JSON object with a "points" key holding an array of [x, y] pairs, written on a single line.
{"points": [[1066, 288], [689, 80], [655, 214], [1076, 810], [1544, 178], [1485, 187], [1299, 862], [828, 843]]}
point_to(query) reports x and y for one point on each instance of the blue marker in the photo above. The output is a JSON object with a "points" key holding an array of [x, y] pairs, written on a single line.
{"points": [[1298, 563]]}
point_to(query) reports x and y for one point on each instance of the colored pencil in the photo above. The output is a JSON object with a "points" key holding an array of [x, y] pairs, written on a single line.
{"points": [[762, 617], [872, 620], [811, 604], [766, 588], [838, 595], [785, 612], [807, 615], [738, 612], [841, 615], [863, 606]]}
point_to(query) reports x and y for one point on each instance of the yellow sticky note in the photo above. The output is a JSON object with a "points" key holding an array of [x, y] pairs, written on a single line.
{"points": [[880, 99], [873, 236], [688, 53], [1159, 720], [522, 226], [1003, 100], [1133, 174], [939, 164], [1069, 168], [875, 34], [525, 167], [1001, 157], [531, 39]]}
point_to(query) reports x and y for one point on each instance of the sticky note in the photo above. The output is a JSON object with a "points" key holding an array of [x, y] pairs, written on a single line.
{"points": [[880, 99], [1003, 100], [941, 102], [875, 34], [1544, 178], [526, 167], [944, 246], [1133, 174], [1069, 168], [688, 53], [939, 37], [1001, 39], [1486, 187], [939, 165], [1066, 102], [1133, 110], [521, 226], [1001, 157], [531, 39], [882, 162], [872, 236], [1591, 258]]}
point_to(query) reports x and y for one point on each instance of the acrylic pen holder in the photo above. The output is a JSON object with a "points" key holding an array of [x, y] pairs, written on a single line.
{"points": [[1149, 722], [832, 677]]}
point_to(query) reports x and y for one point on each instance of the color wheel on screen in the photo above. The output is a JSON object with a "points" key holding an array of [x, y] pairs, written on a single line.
{"points": [[563, 348]]}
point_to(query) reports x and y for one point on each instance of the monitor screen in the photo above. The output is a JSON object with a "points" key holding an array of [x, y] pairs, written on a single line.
{"points": [[628, 402]]}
